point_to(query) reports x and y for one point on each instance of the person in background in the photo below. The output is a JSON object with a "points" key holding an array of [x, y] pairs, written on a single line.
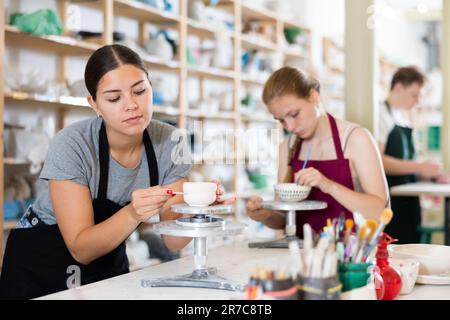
{"points": [[398, 152], [345, 168]]}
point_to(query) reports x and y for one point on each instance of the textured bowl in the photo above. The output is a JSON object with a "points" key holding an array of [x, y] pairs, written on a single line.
{"points": [[434, 259], [291, 192]]}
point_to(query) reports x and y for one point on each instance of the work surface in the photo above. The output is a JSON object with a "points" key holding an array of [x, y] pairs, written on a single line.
{"points": [[421, 188], [234, 262]]}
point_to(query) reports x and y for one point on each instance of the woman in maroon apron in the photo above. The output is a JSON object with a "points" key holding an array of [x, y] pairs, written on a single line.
{"points": [[344, 169]]}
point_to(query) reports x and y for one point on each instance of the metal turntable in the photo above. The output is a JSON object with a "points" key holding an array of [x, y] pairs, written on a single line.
{"points": [[291, 224], [200, 226]]}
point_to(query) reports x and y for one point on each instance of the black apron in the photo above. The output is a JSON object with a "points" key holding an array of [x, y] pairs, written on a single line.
{"points": [[37, 261], [407, 212]]}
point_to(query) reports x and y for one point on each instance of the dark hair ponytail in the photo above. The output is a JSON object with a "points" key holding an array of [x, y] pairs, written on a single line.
{"points": [[108, 58]]}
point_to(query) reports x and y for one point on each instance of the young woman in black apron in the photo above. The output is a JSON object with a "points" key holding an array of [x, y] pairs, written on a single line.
{"points": [[399, 154], [90, 235]]}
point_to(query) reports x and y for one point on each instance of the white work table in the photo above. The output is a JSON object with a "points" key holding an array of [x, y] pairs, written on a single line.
{"points": [[427, 188], [234, 262]]}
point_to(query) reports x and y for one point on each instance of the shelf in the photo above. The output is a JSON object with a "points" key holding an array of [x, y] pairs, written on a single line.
{"points": [[202, 29], [258, 118], [288, 23], [250, 12], [294, 53], [135, 10], [70, 46], [152, 61], [219, 116], [224, 160], [10, 224], [167, 110], [257, 42], [143, 12], [210, 72], [39, 98], [254, 79], [56, 44], [73, 102]]}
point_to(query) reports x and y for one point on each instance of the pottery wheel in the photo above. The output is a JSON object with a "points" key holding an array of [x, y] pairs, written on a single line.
{"points": [[200, 221], [290, 209], [296, 206], [172, 228], [215, 209]]}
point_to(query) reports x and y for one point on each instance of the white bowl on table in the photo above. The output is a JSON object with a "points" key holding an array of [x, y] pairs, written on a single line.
{"points": [[409, 269], [291, 192], [434, 260]]}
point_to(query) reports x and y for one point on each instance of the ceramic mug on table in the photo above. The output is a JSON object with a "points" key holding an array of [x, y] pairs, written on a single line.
{"points": [[199, 194]]}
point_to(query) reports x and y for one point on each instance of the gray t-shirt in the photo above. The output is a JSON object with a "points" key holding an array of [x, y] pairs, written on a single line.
{"points": [[73, 155]]}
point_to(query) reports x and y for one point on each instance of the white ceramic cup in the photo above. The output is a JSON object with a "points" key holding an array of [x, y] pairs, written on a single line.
{"points": [[199, 194], [409, 269]]}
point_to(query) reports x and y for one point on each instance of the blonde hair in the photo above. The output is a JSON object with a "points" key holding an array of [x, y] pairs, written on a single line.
{"points": [[289, 80]]}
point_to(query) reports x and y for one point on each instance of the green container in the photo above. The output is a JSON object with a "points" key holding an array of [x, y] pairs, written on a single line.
{"points": [[353, 275], [291, 33], [258, 180], [434, 138]]}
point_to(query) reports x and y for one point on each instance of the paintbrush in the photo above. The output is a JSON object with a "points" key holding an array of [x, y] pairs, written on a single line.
{"points": [[296, 256], [373, 225], [348, 229], [386, 217], [307, 156]]}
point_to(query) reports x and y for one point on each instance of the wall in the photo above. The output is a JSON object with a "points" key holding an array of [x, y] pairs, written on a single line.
{"points": [[313, 13], [394, 28]]}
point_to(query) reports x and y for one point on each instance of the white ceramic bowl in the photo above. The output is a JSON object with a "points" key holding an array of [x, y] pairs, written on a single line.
{"points": [[199, 194], [434, 259], [291, 192], [409, 269]]}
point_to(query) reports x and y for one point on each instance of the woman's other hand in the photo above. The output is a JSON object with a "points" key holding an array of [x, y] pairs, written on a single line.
{"points": [[255, 210], [220, 192]]}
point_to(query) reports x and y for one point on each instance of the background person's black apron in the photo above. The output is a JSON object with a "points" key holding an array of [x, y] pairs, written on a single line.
{"points": [[36, 259], [407, 212]]}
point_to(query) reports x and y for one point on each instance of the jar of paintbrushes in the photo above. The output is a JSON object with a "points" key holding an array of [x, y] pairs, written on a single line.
{"points": [[355, 251], [316, 266]]}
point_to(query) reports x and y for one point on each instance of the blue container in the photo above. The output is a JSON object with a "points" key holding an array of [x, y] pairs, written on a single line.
{"points": [[12, 210]]}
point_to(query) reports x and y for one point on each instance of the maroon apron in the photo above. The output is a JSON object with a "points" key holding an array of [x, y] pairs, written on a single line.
{"points": [[337, 170]]}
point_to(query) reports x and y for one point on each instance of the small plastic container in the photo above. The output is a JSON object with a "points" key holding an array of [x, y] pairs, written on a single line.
{"points": [[354, 275], [285, 289]]}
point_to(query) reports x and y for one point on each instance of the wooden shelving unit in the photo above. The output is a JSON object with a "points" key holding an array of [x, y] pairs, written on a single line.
{"points": [[57, 44], [334, 75], [134, 10], [63, 46]]}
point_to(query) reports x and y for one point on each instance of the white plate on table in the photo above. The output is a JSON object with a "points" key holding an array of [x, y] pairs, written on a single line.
{"points": [[433, 279]]}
